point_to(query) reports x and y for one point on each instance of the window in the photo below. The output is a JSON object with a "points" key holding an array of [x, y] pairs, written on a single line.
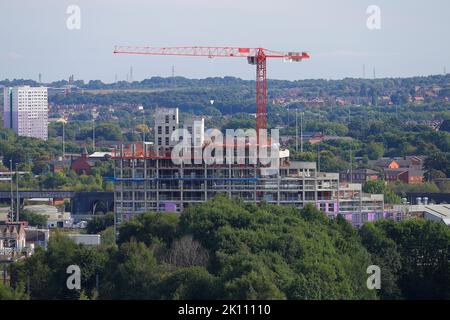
{"points": [[167, 119], [159, 130], [159, 141], [167, 141], [167, 129]]}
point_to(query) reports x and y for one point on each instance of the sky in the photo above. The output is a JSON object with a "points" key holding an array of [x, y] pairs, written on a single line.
{"points": [[34, 37]]}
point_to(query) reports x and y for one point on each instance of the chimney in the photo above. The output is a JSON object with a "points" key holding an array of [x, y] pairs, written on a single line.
{"points": [[419, 200]]}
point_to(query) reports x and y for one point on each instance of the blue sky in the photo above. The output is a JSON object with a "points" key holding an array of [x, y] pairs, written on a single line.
{"points": [[413, 39]]}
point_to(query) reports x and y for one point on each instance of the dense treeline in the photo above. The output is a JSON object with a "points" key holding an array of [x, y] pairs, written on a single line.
{"points": [[342, 87], [230, 250], [414, 257]]}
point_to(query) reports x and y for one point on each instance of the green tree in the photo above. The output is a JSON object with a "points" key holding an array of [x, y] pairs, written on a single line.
{"points": [[150, 228], [380, 187], [194, 283], [134, 273], [108, 238], [33, 219], [424, 251], [387, 256], [375, 150], [45, 271], [100, 223], [261, 251], [438, 161], [445, 126], [7, 293]]}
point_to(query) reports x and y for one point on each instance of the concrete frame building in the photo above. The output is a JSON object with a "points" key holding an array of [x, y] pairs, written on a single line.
{"points": [[150, 181], [25, 111], [196, 127], [166, 122]]}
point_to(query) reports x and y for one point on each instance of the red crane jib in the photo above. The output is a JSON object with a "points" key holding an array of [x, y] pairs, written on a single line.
{"points": [[255, 56]]}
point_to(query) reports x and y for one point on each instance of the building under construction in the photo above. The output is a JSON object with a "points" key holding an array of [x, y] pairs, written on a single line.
{"points": [[147, 179]]}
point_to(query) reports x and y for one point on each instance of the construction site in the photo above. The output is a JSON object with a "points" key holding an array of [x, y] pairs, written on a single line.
{"points": [[146, 177]]}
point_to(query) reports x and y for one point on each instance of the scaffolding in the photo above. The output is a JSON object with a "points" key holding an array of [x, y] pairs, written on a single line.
{"points": [[146, 179]]}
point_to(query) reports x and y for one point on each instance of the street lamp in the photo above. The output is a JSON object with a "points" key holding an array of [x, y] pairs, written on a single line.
{"points": [[143, 128], [63, 121], [12, 195], [17, 193], [296, 129], [301, 131], [93, 134]]}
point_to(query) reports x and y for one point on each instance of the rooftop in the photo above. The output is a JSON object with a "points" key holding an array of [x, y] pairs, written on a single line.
{"points": [[438, 211]]}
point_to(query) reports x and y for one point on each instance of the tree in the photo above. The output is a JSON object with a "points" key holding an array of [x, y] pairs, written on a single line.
{"points": [[331, 163], [40, 167], [7, 293], [108, 238], [150, 228], [45, 271], [187, 252], [108, 131], [34, 219], [143, 128], [227, 249], [306, 156], [416, 254], [259, 251], [445, 126], [375, 150], [194, 283], [134, 274], [100, 223], [386, 255], [438, 161], [380, 186], [55, 181]]}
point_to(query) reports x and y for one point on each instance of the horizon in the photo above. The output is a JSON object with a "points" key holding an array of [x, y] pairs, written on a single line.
{"points": [[86, 81]]}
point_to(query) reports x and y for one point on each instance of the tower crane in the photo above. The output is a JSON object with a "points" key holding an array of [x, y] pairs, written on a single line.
{"points": [[255, 56]]}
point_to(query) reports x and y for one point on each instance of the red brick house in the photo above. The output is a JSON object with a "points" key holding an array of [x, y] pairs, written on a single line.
{"points": [[82, 165], [408, 176], [405, 169]]}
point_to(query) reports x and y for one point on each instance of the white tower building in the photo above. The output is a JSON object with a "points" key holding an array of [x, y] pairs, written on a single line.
{"points": [[166, 122], [25, 111]]}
